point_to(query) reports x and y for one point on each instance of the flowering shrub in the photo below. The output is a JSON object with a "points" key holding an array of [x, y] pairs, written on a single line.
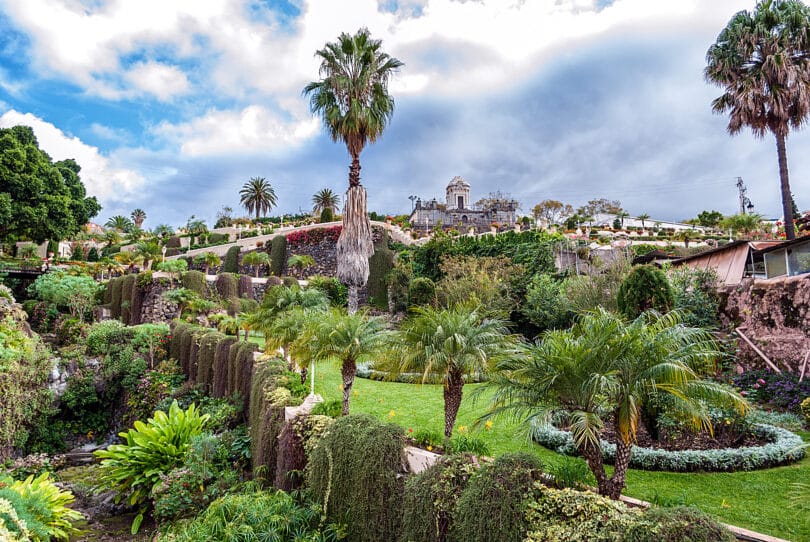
{"points": [[778, 390], [784, 447], [314, 236]]}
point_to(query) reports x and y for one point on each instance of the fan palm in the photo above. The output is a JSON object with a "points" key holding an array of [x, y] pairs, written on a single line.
{"points": [[149, 251], [119, 223], [762, 61], [605, 371], [208, 260], [325, 199], [138, 216], [257, 195], [352, 100], [257, 259], [300, 262], [448, 345], [163, 231]]}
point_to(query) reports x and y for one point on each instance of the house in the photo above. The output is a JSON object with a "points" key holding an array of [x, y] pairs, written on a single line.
{"points": [[790, 258], [733, 261]]}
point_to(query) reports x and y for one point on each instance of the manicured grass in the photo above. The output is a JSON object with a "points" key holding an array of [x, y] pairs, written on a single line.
{"points": [[754, 500]]}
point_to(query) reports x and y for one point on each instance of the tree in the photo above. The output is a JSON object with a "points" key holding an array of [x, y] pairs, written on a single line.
{"points": [[643, 217], [39, 199], [112, 237], [552, 211], [138, 216], [325, 199], [173, 268], [605, 371], [745, 224], [257, 195], [621, 215], [208, 260], [119, 223], [446, 346], [762, 61], [352, 100], [709, 219], [183, 297], [645, 288], [149, 251], [600, 206], [224, 217], [129, 259], [196, 228], [257, 259], [76, 292], [164, 231], [299, 262]]}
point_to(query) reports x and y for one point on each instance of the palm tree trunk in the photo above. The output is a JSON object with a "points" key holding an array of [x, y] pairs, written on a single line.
{"points": [[352, 304], [354, 171], [347, 371], [619, 468], [593, 457], [452, 401], [257, 271], [354, 245], [784, 180]]}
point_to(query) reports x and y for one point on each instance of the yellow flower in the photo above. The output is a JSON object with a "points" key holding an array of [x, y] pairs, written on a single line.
{"points": [[462, 428], [392, 414], [429, 448], [488, 425], [354, 392]]}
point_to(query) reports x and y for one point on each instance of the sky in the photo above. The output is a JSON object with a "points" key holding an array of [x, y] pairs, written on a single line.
{"points": [[172, 105]]}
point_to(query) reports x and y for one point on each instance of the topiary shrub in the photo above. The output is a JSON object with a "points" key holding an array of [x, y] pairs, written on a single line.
{"points": [[355, 475], [421, 292], [195, 281], [266, 416], [429, 502], [379, 265], [143, 281], [194, 353], [273, 280], [227, 285], [297, 439], [493, 505], [173, 242], [184, 352], [243, 371], [245, 289], [278, 255], [233, 305], [399, 282], [327, 215], [206, 357], [230, 264], [289, 282], [177, 328], [677, 524], [127, 287], [115, 296], [220, 370], [645, 288], [217, 238]]}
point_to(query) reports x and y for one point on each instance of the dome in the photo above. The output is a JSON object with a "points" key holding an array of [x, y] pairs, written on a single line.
{"points": [[457, 181]]}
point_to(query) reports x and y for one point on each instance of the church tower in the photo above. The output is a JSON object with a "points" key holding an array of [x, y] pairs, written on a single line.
{"points": [[458, 194]]}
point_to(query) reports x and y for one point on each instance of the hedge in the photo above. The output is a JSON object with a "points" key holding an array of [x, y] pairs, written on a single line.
{"points": [[186, 338], [227, 285], [206, 358], [219, 387], [379, 265], [297, 439], [278, 255], [115, 297], [178, 328], [230, 264], [785, 447], [195, 281], [127, 286], [354, 474], [245, 287]]}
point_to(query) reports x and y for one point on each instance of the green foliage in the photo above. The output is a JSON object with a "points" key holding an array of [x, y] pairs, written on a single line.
{"points": [[289, 282], [479, 281], [127, 287], [251, 515], [331, 286], [278, 255], [132, 469], [327, 215], [576, 516], [805, 408], [678, 524], [380, 265], [422, 292], [227, 285], [571, 472], [328, 408], [645, 288], [546, 305], [245, 288], [39, 199], [467, 444], [429, 502], [230, 264], [695, 295], [173, 268], [589, 292], [296, 441], [399, 281], [42, 505], [114, 285], [354, 473], [195, 281], [493, 505], [78, 293]]}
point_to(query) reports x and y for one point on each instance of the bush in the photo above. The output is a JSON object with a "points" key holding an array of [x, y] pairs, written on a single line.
{"points": [[493, 505], [355, 473], [289, 282], [42, 506], [332, 408], [805, 407], [380, 264], [327, 215], [278, 255], [296, 441], [245, 287], [331, 286], [695, 295], [114, 285], [421, 292], [127, 287], [230, 264], [678, 524], [430, 497], [227, 285], [645, 288], [546, 306], [399, 281], [195, 281], [467, 443], [777, 390]]}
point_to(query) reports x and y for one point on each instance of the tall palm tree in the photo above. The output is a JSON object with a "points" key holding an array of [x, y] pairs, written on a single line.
{"points": [[257, 195], [762, 61], [325, 199], [605, 371], [446, 346], [353, 101], [138, 216], [119, 223]]}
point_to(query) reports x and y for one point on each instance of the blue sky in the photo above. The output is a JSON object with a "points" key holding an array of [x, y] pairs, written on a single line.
{"points": [[172, 105]]}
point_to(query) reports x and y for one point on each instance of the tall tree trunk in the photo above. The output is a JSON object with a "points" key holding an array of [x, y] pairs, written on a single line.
{"points": [[619, 468], [347, 372], [354, 246], [354, 171], [784, 180], [352, 299], [452, 401]]}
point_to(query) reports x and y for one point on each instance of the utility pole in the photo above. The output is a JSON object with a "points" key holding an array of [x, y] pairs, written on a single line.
{"points": [[745, 204]]}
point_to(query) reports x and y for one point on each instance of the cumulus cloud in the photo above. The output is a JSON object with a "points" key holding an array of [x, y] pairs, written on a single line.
{"points": [[162, 81], [101, 176]]}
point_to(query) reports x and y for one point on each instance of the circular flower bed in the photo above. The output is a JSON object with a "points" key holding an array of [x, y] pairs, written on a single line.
{"points": [[783, 447], [366, 370]]}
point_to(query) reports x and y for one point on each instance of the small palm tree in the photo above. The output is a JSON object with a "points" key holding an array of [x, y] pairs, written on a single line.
{"points": [[129, 259], [325, 199], [112, 237], [347, 338], [257, 195], [197, 228], [208, 260], [173, 268], [300, 262], [446, 346], [621, 215], [279, 299], [149, 251], [257, 258], [119, 223], [605, 371], [643, 217], [163, 231], [183, 297], [138, 216]]}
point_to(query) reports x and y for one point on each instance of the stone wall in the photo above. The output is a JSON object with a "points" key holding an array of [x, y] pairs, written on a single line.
{"points": [[775, 315], [155, 308]]}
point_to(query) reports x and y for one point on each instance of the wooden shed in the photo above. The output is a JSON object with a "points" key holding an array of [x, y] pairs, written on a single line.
{"points": [[731, 262]]}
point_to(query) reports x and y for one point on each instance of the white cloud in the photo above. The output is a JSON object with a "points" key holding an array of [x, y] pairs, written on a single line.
{"points": [[100, 176], [162, 81]]}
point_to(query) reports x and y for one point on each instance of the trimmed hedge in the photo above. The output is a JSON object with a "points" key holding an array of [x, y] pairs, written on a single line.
{"points": [[227, 285], [298, 437], [245, 289], [127, 287], [785, 447], [379, 265], [230, 263], [278, 255], [115, 297], [178, 328], [206, 358], [219, 386], [195, 281], [354, 474], [186, 338]]}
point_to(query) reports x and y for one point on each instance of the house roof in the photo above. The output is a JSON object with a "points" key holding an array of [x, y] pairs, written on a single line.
{"points": [[754, 245], [786, 244]]}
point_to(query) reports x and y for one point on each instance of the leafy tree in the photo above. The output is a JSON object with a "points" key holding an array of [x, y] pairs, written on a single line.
{"points": [[643, 217], [446, 346], [325, 199], [645, 288], [604, 371], [709, 219], [76, 292], [600, 206], [119, 223], [39, 199], [761, 59], [257, 259], [208, 260], [352, 100], [546, 306], [744, 224], [257, 195], [300, 262], [138, 216], [173, 268], [552, 211], [484, 281]]}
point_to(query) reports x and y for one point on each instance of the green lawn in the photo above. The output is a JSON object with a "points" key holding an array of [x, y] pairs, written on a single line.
{"points": [[753, 500]]}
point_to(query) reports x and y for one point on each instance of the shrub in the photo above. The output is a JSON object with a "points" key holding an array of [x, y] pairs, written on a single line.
{"points": [[220, 369], [289, 282], [327, 215], [278, 255], [195, 281], [332, 408], [42, 505], [132, 469], [430, 497], [483, 280], [646, 287], [227, 285], [331, 286], [421, 292], [230, 264], [315, 236], [467, 443], [399, 281], [217, 238], [354, 472], [695, 295], [245, 287], [576, 516], [493, 505], [267, 402], [296, 441], [127, 287], [114, 286], [546, 306], [678, 524], [380, 264], [206, 356], [778, 390], [805, 407]]}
